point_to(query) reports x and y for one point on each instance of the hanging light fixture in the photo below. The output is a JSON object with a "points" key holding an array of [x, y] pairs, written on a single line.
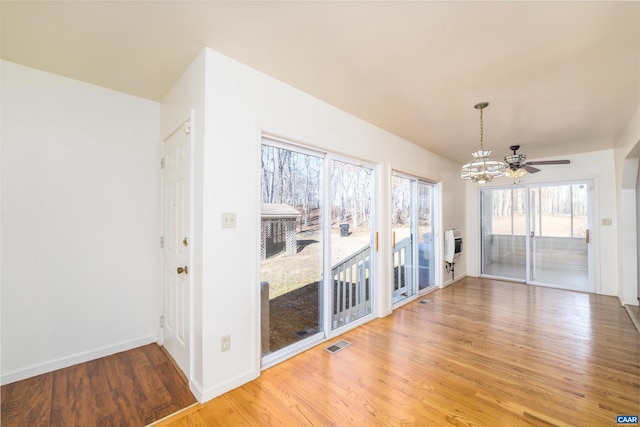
{"points": [[515, 162], [482, 169], [517, 173]]}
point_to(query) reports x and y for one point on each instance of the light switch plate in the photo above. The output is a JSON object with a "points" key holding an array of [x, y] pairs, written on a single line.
{"points": [[228, 220]]}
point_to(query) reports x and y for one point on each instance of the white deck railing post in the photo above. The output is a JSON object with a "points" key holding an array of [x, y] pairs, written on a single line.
{"points": [[350, 303]]}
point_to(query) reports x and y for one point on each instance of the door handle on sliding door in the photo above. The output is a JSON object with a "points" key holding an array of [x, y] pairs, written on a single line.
{"points": [[587, 236], [393, 244]]}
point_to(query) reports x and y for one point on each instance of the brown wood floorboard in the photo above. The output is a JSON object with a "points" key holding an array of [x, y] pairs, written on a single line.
{"points": [[483, 353], [131, 388], [28, 402]]}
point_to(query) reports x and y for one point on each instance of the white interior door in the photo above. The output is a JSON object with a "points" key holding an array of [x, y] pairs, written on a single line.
{"points": [[176, 284]]}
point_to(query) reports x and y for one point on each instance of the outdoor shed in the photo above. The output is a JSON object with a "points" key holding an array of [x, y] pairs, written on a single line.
{"points": [[278, 230]]}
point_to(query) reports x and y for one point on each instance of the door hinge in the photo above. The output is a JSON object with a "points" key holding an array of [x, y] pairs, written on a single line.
{"points": [[187, 127], [161, 242], [162, 163], [162, 321]]}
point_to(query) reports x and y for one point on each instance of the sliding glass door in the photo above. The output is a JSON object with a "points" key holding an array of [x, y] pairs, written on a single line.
{"points": [[351, 242], [316, 269], [426, 227], [291, 246], [559, 236], [538, 234], [402, 236], [503, 231], [413, 225]]}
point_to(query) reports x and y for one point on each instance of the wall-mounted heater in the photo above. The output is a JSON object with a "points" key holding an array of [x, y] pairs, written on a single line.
{"points": [[452, 245]]}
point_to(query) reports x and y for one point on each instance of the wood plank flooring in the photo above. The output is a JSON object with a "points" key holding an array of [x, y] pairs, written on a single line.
{"points": [[482, 353], [132, 388]]}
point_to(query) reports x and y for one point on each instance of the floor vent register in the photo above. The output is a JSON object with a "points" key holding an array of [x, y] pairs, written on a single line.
{"points": [[334, 348]]}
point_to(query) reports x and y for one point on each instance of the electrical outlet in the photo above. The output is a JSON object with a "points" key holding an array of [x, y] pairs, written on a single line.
{"points": [[225, 344], [228, 220]]}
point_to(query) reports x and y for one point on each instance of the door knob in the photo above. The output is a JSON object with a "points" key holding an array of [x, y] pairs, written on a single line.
{"points": [[184, 270]]}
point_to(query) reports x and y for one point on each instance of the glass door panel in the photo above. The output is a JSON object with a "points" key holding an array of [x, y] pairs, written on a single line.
{"points": [[559, 218], [426, 270], [291, 247], [503, 226], [351, 238], [402, 207]]}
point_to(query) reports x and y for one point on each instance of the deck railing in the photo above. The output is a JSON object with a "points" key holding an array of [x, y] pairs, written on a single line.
{"points": [[402, 265], [553, 253], [351, 288]]}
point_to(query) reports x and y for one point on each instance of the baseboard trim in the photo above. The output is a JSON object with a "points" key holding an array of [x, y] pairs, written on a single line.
{"points": [[636, 322], [64, 362], [452, 281], [213, 392], [196, 389], [624, 302]]}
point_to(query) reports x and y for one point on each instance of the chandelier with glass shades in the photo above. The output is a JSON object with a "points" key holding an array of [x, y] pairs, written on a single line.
{"points": [[482, 169]]}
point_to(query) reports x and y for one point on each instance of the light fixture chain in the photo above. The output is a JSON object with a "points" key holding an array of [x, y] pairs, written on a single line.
{"points": [[481, 131], [482, 169]]}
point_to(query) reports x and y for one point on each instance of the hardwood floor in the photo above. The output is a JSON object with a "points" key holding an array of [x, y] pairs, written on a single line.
{"points": [[482, 353], [132, 388]]}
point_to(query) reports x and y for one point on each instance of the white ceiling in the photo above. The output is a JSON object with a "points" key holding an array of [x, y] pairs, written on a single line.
{"points": [[561, 77]]}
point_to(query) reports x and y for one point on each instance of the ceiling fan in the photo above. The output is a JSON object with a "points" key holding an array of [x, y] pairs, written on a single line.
{"points": [[516, 166]]}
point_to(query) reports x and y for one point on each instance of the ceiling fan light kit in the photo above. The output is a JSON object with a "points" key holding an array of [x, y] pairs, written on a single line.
{"points": [[515, 173], [482, 169], [517, 167], [515, 162]]}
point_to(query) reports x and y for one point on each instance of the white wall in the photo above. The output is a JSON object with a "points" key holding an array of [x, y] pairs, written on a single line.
{"points": [[626, 170], [80, 221], [597, 166], [241, 104], [626, 155]]}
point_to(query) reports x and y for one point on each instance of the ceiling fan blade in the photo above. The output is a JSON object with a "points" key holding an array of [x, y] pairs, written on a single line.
{"points": [[550, 162], [530, 169]]}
